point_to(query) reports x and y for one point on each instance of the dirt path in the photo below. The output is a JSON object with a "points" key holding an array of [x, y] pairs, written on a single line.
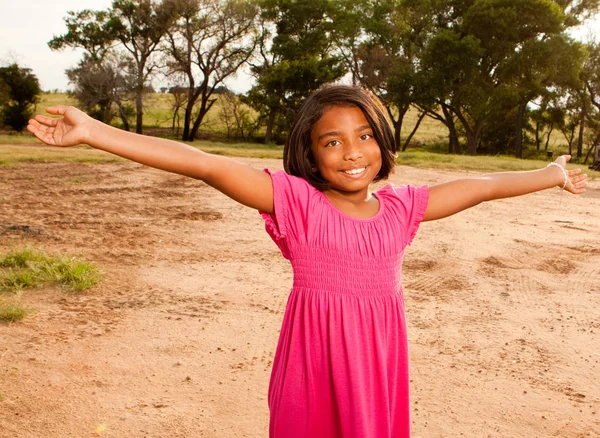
{"points": [[503, 306]]}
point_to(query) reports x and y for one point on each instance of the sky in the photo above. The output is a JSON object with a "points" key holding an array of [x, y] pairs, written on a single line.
{"points": [[26, 30]]}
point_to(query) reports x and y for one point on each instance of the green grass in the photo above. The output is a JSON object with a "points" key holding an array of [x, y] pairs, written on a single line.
{"points": [[431, 136], [17, 279], [12, 313], [18, 139], [13, 155], [53, 99], [30, 268], [480, 163], [250, 150]]}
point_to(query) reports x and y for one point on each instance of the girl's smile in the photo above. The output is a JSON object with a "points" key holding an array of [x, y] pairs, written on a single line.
{"points": [[345, 151]]}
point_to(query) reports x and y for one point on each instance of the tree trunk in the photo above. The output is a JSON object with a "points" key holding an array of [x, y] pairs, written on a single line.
{"points": [[410, 136], [397, 124], [397, 133], [186, 122], [189, 108], [519, 131], [453, 144], [471, 143], [123, 116], [581, 129], [594, 145], [270, 124], [548, 138], [205, 107], [472, 133], [139, 111]]}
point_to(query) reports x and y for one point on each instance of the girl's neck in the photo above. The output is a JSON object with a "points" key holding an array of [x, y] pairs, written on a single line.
{"points": [[361, 205]]}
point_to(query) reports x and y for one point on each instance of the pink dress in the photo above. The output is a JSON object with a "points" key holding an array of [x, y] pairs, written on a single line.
{"points": [[341, 365]]}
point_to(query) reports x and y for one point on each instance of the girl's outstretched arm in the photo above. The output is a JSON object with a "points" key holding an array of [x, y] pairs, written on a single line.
{"points": [[455, 196], [242, 183]]}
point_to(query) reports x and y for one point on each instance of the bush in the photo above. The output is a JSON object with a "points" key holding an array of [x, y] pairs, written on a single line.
{"points": [[19, 91]]}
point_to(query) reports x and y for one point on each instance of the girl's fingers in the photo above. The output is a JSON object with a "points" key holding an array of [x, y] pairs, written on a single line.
{"points": [[574, 172], [46, 120], [42, 132], [57, 110]]}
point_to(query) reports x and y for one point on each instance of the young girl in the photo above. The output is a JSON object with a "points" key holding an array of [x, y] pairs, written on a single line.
{"points": [[341, 365]]}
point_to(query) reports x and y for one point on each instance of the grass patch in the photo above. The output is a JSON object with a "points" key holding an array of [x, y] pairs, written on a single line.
{"points": [[19, 139], [433, 160], [11, 313], [249, 150], [17, 279], [30, 268], [14, 155]]}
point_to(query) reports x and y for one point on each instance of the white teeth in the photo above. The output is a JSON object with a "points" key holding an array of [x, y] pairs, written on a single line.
{"points": [[355, 171]]}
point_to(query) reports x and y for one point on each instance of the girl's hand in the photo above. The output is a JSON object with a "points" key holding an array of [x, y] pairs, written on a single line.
{"points": [[70, 130], [576, 181]]}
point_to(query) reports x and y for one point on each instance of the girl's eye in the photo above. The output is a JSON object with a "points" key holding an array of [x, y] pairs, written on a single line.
{"points": [[332, 143], [366, 136]]}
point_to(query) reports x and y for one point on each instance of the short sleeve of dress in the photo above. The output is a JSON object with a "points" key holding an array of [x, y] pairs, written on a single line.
{"points": [[275, 223], [290, 198], [410, 203]]}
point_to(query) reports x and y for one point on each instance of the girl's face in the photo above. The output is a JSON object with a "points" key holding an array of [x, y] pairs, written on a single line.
{"points": [[346, 152]]}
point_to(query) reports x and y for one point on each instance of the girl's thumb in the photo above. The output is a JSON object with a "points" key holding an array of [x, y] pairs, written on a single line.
{"points": [[57, 110]]}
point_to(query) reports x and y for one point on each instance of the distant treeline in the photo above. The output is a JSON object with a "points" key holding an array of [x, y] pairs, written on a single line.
{"points": [[500, 75]]}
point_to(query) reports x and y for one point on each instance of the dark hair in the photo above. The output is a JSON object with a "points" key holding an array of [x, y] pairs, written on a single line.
{"points": [[298, 159]]}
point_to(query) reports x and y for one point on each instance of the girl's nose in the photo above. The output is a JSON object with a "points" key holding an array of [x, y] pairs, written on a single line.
{"points": [[353, 151]]}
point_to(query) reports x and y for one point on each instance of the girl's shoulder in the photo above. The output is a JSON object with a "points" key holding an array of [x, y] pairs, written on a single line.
{"points": [[403, 191], [281, 176], [290, 193], [408, 198]]}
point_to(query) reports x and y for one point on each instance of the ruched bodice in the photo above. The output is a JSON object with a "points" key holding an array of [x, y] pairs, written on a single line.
{"points": [[341, 365], [340, 272]]}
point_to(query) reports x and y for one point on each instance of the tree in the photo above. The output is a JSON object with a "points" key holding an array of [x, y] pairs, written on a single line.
{"points": [[548, 116], [208, 42], [19, 92], [100, 84], [92, 31], [300, 59], [591, 77], [139, 25], [449, 60], [388, 58], [237, 117], [510, 60]]}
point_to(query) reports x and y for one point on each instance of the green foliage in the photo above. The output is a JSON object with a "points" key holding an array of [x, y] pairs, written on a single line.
{"points": [[29, 268], [301, 60], [208, 42], [19, 92], [101, 85], [476, 66], [92, 31]]}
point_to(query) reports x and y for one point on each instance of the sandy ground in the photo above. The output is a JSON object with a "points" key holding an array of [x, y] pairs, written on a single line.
{"points": [[178, 340]]}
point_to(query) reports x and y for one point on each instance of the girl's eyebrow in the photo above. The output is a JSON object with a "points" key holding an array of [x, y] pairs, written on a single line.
{"points": [[334, 133], [328, 134]]}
